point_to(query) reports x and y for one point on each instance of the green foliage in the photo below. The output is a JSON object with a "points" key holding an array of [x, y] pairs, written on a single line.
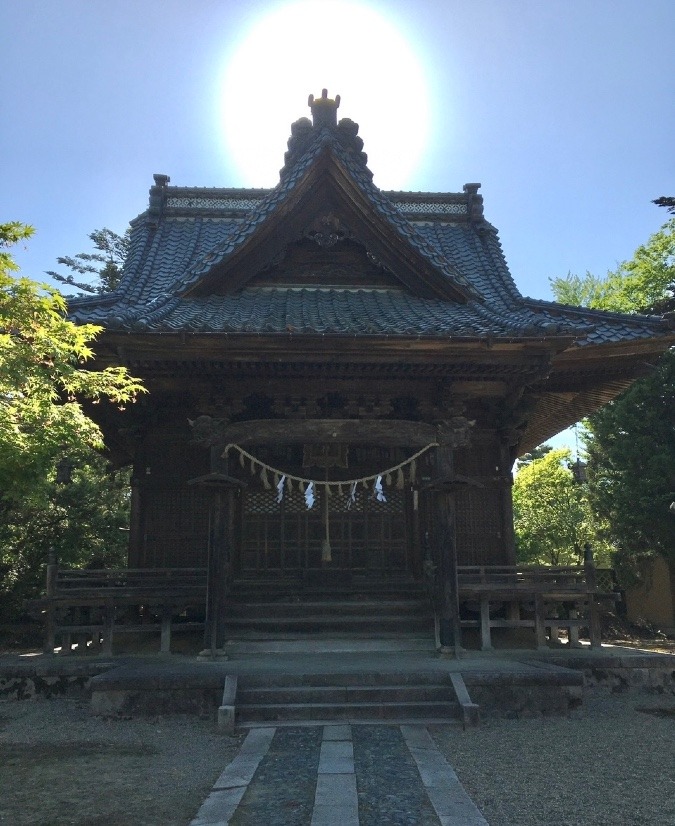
{"points": [[631, 442], [537, 453], [105, 265], [643, 284], [552, 516], [43, 377], [631, 467], [84, 522]]}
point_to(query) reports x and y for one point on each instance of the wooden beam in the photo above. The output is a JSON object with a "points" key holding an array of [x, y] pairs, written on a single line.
{"points": [[382, 432]]}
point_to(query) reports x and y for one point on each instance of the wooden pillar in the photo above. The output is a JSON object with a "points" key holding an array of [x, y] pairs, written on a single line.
{"points": [[108, 627], [50, 613], [135, 548], [223, 489], [485, 637], [506, 499], [539, 620], [442, 488], [165, 632], [217, 583], [573, 637], [592, 604]]}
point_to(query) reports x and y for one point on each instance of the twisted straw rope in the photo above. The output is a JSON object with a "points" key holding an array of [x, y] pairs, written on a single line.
{"points": [[305, 481]]}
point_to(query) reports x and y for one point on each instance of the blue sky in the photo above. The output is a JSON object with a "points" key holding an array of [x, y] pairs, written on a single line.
{"points": [[564, 110]]}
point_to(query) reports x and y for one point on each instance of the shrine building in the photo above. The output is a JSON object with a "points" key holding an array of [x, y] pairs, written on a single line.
{"points": [[340, 378]]}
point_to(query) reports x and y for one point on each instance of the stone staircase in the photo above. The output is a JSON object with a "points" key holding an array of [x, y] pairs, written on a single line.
{"points": [[373, 697], [312, 621]]}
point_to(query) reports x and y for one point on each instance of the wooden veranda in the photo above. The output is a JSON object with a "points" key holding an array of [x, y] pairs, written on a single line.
{"points": [[87, 609]]}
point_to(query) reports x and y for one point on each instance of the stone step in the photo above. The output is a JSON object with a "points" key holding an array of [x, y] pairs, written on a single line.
{"points": [[343, 695], [346, 711], [248, 642], [359, 695], [346, 679]]}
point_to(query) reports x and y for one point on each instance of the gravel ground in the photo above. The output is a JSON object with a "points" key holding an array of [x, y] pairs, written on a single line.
{"points": [[608, 764], [61, 765]]}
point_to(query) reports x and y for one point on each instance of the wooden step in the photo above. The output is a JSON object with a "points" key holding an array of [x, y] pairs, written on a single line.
{"points": [[338, 607], [373, 624]]}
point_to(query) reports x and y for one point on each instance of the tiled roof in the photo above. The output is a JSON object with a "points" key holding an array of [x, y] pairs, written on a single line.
{"points": [[318, 310], [187, 232]]}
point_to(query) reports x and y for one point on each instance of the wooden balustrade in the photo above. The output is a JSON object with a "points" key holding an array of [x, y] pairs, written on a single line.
{"points": [[537, 597], [93, 605]]}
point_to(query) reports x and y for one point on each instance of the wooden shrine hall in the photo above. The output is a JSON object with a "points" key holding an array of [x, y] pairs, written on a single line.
{"points": [[340, 379]]}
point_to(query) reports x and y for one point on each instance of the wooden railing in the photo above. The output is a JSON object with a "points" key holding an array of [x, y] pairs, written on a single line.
{"points": [[544, 598], [92, 605], [527, 575], [127, 580]]}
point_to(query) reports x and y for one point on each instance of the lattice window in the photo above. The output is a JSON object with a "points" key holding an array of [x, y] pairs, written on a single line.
{"points": [[214, 203], [430, 208], [479, 527], [175, 527], [339, 503]]}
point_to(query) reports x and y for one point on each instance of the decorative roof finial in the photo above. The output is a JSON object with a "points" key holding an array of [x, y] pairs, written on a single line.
{"points": [[324, 109]]}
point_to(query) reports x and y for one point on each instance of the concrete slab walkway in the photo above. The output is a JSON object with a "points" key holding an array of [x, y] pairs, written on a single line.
{"points": [[331, 787]]}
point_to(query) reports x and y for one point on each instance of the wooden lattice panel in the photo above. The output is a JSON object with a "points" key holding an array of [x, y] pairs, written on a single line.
{"points": [[479, 527], [176, 521], [288, 537]]}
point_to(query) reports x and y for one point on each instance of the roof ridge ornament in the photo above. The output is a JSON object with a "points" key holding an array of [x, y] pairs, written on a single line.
{"points": [[324, 109], [324, 126]]}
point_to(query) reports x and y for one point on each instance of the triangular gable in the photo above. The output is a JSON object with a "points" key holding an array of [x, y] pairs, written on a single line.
{"points": [[327, 258], [324, 187]]}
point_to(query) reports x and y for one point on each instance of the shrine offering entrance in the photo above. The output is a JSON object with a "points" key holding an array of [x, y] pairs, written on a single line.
{"points": [[366, 536], [307, 509]]}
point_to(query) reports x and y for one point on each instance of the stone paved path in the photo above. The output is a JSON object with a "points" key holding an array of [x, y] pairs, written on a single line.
{"points": [[352, 775]]}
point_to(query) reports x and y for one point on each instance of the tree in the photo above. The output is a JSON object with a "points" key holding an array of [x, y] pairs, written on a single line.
{"points": [[631, 467], [666, 201], [551, 513], [645, 283], [43, 375], [83, 521], [631, 442], [43, 379], [537, 453], [105, 265]]}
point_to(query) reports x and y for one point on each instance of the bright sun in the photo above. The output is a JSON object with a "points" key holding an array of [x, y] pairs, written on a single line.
{"points": [[346, 47]]}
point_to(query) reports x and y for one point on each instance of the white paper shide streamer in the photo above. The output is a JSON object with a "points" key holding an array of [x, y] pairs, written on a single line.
{"points": [[286, 483], [379, 493], [309, 496]]}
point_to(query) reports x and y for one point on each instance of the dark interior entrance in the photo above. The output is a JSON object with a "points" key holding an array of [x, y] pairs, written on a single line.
{"points": [[285, 539]]}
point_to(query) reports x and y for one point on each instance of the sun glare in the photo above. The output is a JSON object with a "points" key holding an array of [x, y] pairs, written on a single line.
{"points": [[346, 47]]}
